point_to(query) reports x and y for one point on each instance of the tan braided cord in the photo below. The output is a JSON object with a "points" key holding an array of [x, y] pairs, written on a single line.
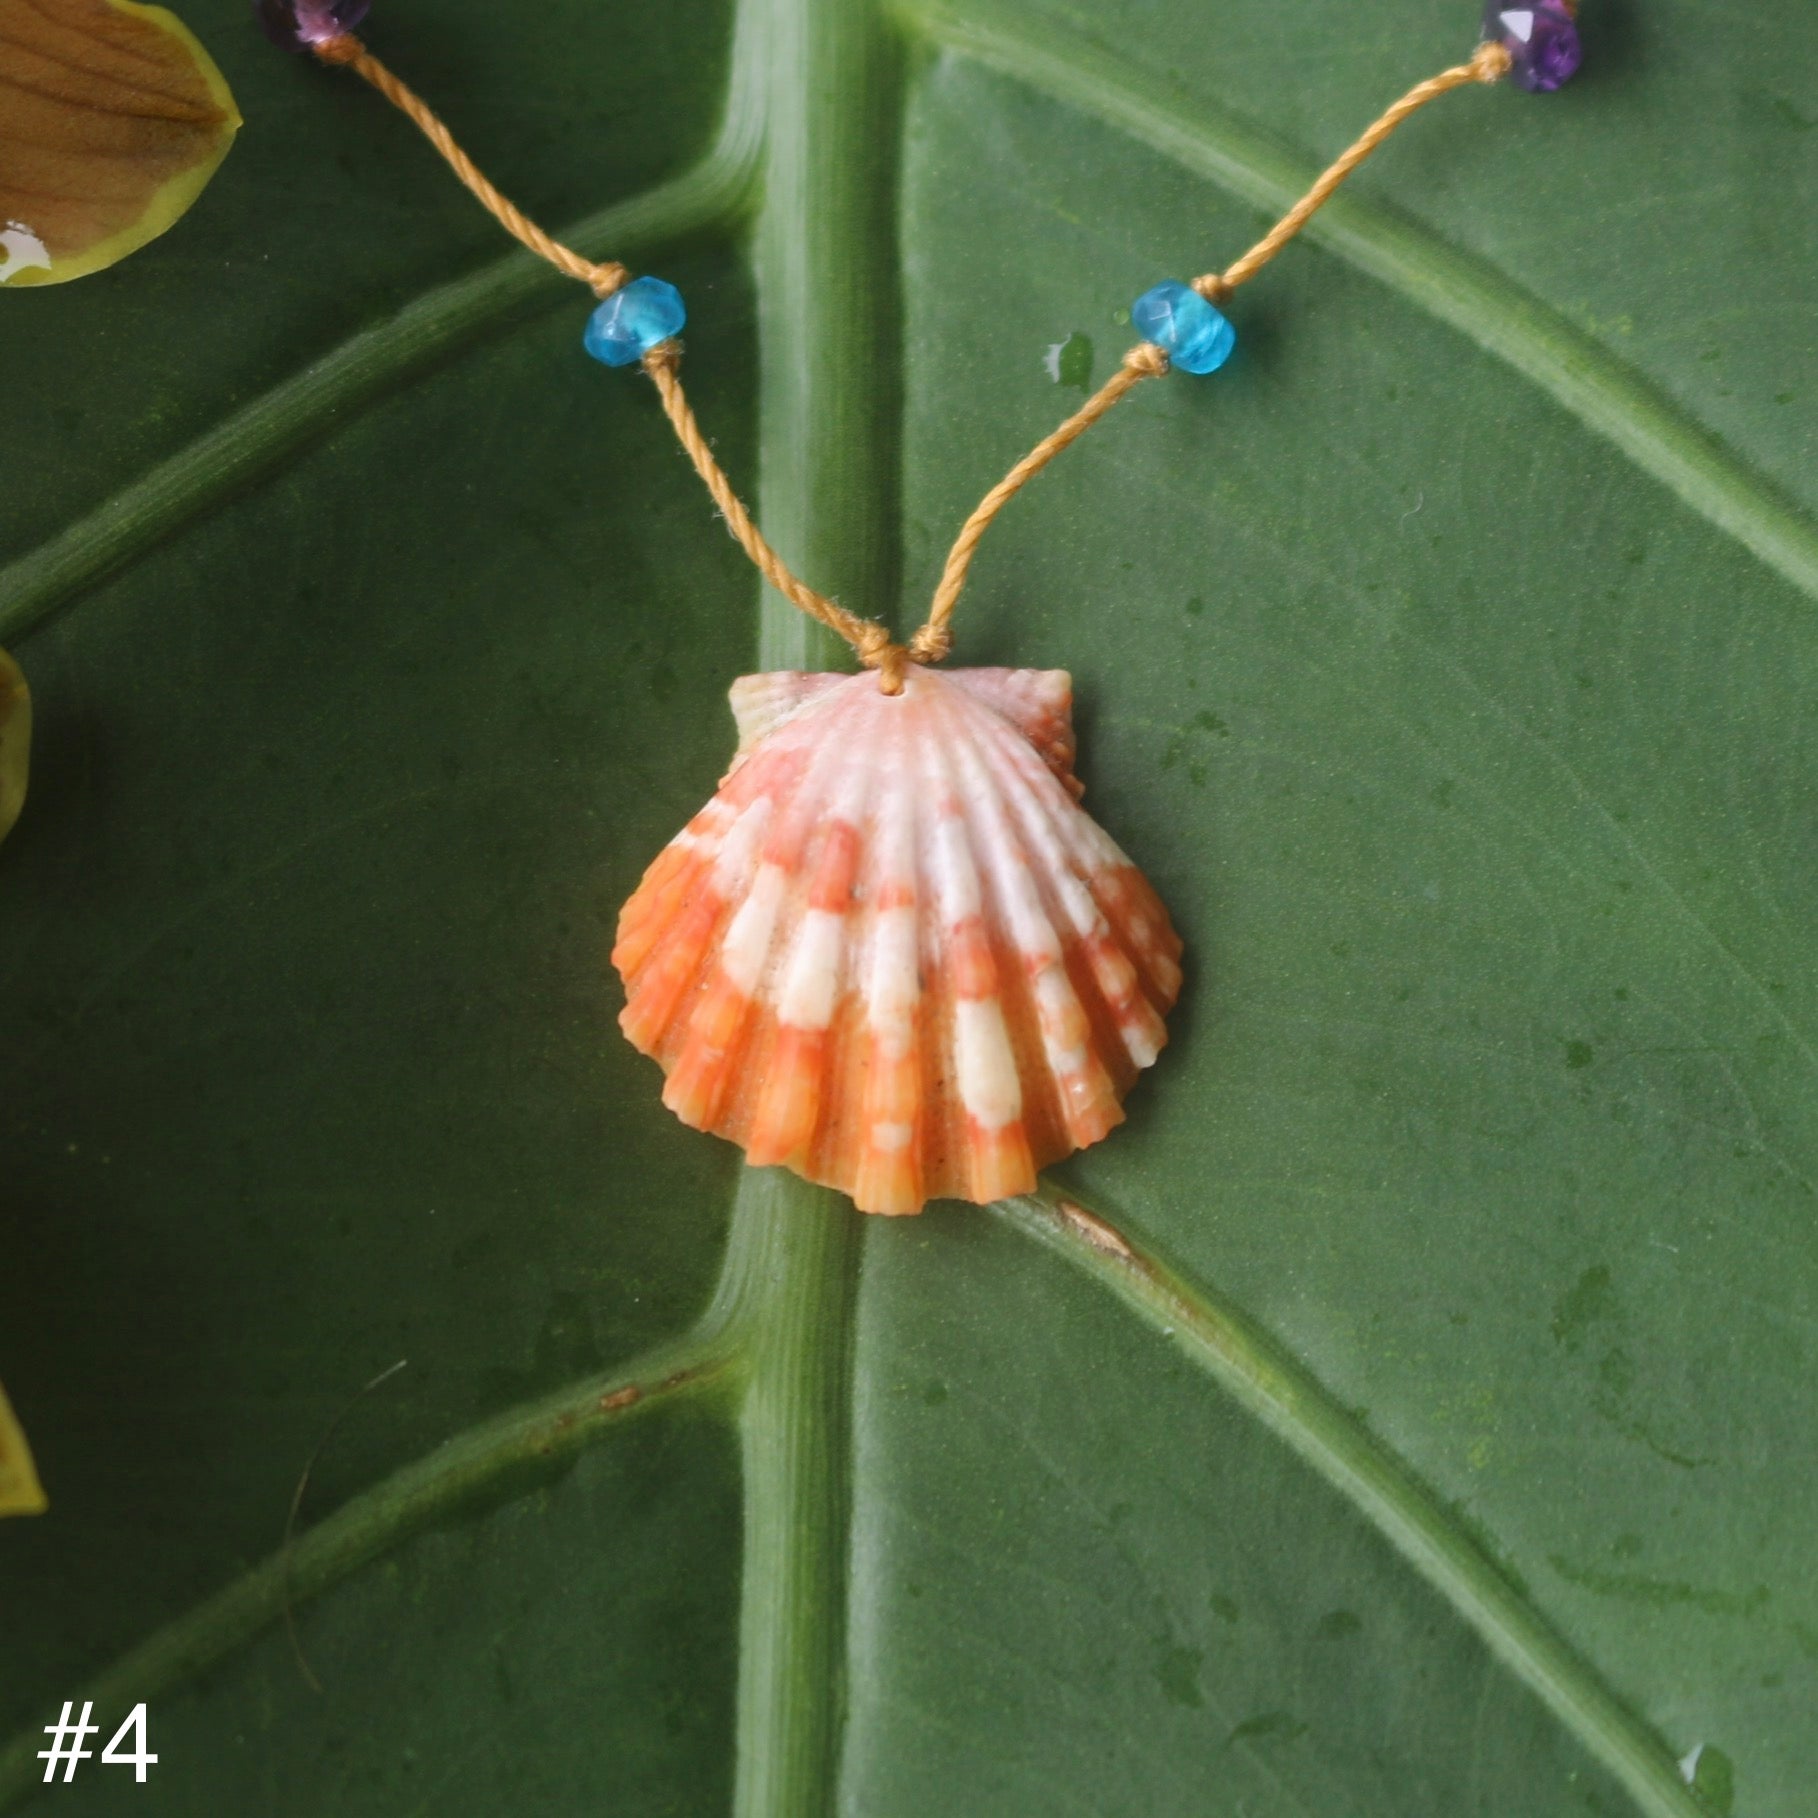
{"points": [[934, 639], [875, 647], [1490, 64], [866, 636], [349, 53]]}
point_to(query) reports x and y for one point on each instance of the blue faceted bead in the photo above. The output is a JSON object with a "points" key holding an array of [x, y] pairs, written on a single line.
{"points": [[1193, 334], [633, 320]]}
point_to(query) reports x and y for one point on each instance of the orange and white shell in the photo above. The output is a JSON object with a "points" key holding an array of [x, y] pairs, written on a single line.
{"points": [[893, 953]]}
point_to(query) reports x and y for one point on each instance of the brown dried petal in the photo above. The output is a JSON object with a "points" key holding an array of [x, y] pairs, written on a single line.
{"points": [[112, 119]]}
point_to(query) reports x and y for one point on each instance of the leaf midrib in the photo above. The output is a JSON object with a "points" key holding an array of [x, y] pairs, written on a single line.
{"points": [[824, 257]]}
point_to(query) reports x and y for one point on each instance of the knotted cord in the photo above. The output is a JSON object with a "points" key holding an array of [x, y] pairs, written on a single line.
{"points": [[872, 641]]}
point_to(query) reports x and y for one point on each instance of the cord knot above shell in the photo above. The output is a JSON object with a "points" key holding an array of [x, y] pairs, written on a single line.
{"points": [[893, 953]]}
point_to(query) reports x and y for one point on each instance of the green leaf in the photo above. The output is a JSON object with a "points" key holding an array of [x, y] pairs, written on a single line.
{"points": [[1408, 1411]]}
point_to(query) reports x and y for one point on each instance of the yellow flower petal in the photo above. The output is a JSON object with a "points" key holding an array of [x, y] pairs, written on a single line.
{"points": [[115, 120], [15, 741], [20, 1491]]}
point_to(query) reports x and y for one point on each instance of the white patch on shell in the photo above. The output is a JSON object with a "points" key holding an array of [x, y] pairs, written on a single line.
{"points": [[1029, 925], [893, 981], [988, 1084], [1071, 847], [745, 951], [1060, 1010], [984, 1063], [1061, 1019], [737, 856], [955, 875], [1081, 906], [811, 982], [1143, 1048]]}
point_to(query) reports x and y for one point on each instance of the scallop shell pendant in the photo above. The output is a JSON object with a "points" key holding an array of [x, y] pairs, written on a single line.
{"points": [[893, 953]]}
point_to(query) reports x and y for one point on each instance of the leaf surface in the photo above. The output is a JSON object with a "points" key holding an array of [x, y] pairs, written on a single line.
{"points": [[1406, 1412]]}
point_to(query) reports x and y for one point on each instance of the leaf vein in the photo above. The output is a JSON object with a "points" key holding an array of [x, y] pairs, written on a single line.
{"points": [[1220, 1339], [1459, 288]]}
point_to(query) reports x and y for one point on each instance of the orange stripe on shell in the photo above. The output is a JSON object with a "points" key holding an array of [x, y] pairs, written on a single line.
{"points": [[924, 972]]}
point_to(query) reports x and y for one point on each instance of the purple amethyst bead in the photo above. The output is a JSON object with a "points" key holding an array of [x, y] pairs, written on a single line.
{"points": [[300, 24], [1540, 36]]}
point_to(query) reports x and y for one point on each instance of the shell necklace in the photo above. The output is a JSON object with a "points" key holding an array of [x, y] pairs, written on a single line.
{"points": [[893, 953]]}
